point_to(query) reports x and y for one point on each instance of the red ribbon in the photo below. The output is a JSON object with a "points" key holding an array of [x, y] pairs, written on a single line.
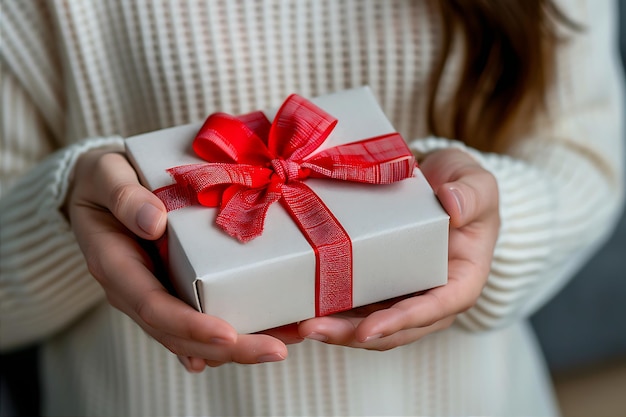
{"points": [[254, 163]]}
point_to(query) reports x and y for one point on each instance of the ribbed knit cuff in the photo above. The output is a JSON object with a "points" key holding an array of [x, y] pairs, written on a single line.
{"points": [[44, 282]]}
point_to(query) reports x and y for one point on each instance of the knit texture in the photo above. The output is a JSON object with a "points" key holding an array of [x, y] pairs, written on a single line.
{"points": [[78, 75]]}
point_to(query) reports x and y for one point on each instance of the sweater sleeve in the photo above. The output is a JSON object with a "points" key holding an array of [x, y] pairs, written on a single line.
{"points": [[561, 189], [44, 282]]}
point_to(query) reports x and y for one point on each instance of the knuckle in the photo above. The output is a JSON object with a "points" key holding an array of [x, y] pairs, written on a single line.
{"points": [[447, 324], [464, 303], [145, 310], [466, 306], [121, 194], [385, 344], [114, 301], [95, 264], [439, 309], [176, 345], [173, 345], [104, 160], [384, 347], [430, 321], [113, 178]]}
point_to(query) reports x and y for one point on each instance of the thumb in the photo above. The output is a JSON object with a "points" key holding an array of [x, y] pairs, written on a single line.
{"points": [[459, 201], [473, 197], [466, 191], [150, 218], [132, 204]]}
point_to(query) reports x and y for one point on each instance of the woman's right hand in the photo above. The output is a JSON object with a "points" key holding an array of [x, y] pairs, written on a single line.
{"points": [[109, 210]]}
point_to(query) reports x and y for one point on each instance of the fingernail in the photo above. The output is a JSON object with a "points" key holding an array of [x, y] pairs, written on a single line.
{"points": [[148, 218], [316, 336], [271, 357], [458, 199], [373, 337]]}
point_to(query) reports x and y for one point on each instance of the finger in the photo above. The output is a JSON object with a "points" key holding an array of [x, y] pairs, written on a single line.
{"points": [[185, 361], [336, 329], [192, 364], [340, 331], [186, 348], [256, 348], [340, 328], [287, 334], [466, 190], [404, 337], [119, 190], [472, 198], [119, 264], [117, 261], [445, 166], [214, 364], [461, 201], [248, 349], [197, 364], [458, 295]]}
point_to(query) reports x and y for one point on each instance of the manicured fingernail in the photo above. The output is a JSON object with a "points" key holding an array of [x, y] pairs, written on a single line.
{"points": [[148, 218], [458, 198], [373, 337], [316, 336], [271, 357]]}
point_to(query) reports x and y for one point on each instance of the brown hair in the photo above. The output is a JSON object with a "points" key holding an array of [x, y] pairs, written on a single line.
{"points": [[507, 70]]}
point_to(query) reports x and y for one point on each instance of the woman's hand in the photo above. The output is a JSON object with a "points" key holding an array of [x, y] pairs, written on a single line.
{"points": [[109, 210], [470, 196]]}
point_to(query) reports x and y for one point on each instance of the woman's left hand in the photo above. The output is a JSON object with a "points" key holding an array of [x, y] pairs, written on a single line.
{"points": [[469, 194]]}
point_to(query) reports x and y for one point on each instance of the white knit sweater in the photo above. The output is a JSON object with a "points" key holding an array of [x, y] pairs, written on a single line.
{"points": [[77, 75]]}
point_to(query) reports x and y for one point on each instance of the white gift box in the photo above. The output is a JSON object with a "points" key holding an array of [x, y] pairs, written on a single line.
{"points": [[399, 231]]}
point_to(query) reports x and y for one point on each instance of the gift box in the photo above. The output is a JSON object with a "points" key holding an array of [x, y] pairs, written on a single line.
{"points": [[384, 239]]}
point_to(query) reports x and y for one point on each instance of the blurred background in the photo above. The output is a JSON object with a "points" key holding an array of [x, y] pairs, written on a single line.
{"points": [[583, 335], [581, 331]]}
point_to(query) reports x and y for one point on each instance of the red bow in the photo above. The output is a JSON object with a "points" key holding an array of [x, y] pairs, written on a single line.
{"points": [[253, 164]]}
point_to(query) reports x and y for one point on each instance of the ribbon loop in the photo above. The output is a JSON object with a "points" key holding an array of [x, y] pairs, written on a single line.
{"points": [[225, 138], [299, 128]]}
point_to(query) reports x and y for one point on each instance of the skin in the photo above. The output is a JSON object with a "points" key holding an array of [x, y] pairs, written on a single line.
{"points": [[110, 213]]}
